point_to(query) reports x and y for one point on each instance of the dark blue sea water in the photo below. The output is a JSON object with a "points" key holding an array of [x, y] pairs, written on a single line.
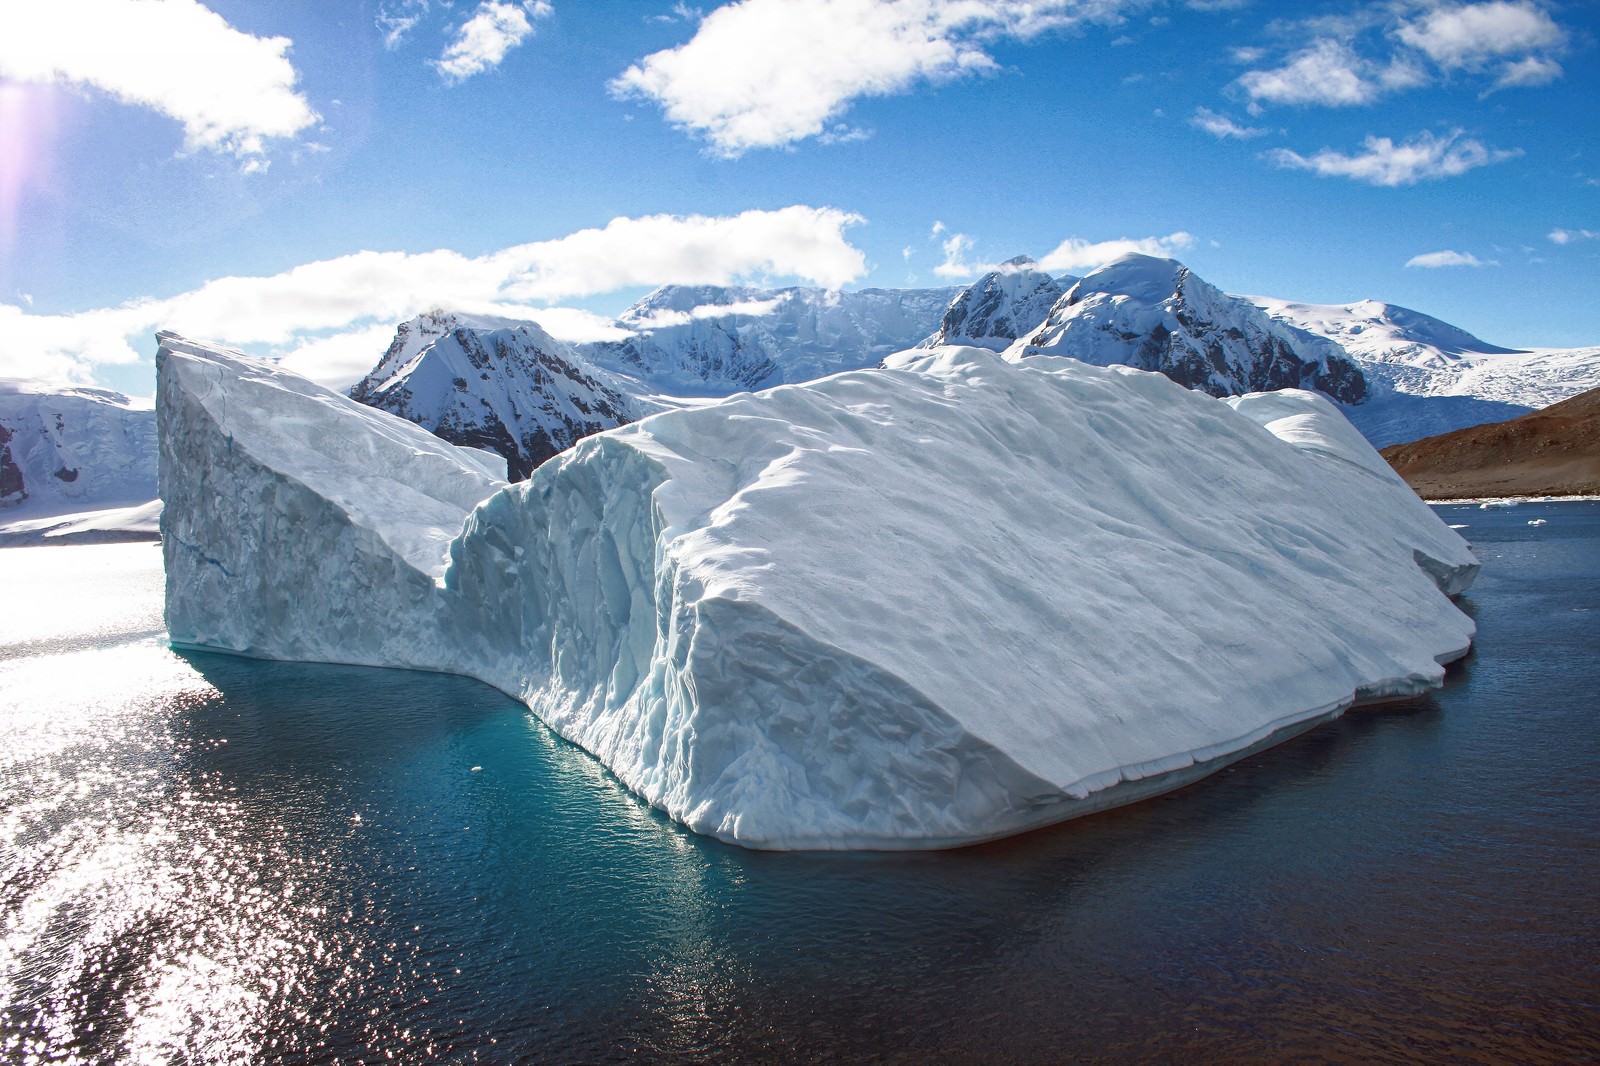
{"points": [[209, 859]]}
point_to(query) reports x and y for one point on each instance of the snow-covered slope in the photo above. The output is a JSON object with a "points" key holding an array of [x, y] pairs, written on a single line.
{"points": [[718, 340], [1429, 377], [1154, 314], [496, 384], [782, 620], [1387, 333], [72, 449], [1001, 306]]}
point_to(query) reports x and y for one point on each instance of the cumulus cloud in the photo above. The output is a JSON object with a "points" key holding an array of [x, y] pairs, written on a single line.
{"points": [[1328, 73], [1074, 255], [1466, 35], [768, 73], [1221, 126], [231, 91], [1370, 51], [1077, 256], [1425, 157], [1448, 258], [1525, 73], [481, 42], [1567, 236], [288, 311]]}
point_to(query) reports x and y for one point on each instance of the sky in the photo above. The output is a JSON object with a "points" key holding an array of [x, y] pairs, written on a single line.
{"points": [[295, 177]]}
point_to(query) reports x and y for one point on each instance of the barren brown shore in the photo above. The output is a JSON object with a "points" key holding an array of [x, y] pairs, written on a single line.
{"points": [[1550, 452]]}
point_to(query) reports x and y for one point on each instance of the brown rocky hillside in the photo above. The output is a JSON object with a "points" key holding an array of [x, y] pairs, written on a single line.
{"points": [[1551, 452]]}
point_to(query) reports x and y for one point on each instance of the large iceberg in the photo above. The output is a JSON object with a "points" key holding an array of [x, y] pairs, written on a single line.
{"points": [[915, 607]]}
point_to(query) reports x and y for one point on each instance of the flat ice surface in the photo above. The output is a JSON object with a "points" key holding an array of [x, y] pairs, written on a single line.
{"points": [[917, 607]]}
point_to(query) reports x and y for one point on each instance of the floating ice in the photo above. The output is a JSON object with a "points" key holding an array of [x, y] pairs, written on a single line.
{"points": [[918, 607]]}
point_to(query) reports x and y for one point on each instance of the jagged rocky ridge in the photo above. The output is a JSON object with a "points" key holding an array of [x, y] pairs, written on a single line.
{"points": [[1155, 314], [1001, 306], [674, 596], [496, 384]]}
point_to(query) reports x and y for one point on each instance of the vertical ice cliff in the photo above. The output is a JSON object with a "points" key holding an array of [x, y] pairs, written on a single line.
{"points": [[73, 449], [914, 607], [299, 524]]}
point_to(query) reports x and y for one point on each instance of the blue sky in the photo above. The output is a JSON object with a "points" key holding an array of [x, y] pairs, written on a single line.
{"points": [[295, 176]]}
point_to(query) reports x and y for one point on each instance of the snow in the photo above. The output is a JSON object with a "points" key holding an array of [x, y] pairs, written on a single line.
{"points": [[298, 522], [918, 607], [1429, 377], [105, 525], [1001, 306], [715, 340], [68, 450], [505, 386], [1155, 314]]}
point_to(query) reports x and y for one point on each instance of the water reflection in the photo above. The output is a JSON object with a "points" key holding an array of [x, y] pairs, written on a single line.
{"points": [[217, 860]]}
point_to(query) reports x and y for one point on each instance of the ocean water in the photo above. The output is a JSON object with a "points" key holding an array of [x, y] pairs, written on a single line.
{"points": [[211, 859]]}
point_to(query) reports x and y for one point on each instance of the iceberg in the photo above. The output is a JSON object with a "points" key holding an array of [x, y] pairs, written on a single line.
{"points": [[922, 606]]}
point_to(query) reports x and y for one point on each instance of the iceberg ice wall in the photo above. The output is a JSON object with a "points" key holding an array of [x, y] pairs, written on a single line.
{"points": [[916, 607]]}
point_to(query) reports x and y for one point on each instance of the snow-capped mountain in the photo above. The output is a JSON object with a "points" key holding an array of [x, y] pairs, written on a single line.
{"points": [[712, 340], [496, 384], [1001, 306], [73, 449], [1429, 377], [1155, 314]]}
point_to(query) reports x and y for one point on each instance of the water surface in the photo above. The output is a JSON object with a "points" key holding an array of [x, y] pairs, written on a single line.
{"points": [[212, 859]]}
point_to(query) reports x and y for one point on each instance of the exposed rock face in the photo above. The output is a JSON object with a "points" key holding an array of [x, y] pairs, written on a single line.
{"points": [[13, 488], [1551, 452], [1000, 306], [1155, 314], [506, 387]]}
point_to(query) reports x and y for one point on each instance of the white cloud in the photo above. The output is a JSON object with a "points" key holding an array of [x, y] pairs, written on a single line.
{"points": [[287, 311], [1466, 35], [341, 360], [1425, 157], [1073, 255], [956, 248], [231, 91], [496, 27], [397, 21], [1567, 236], [1528, 72], [767, 73], [1327, 73], [663, 317], [1511, 38], [1221, 126], [1447, 258]]}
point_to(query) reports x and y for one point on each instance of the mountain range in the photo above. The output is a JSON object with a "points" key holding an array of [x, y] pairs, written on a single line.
{"points": [[510, 387]]}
